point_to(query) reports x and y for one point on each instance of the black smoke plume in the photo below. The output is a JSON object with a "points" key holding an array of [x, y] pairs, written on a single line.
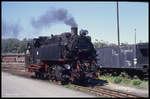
{"points": [[53, 16]]}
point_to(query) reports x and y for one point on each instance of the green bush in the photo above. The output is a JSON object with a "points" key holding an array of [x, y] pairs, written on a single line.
{"points": [[136, 82], [124, 75], [117, 79], [126, 81]]}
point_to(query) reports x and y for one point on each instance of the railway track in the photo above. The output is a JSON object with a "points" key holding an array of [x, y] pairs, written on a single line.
{"points": [[97, 90], [100, 91]]}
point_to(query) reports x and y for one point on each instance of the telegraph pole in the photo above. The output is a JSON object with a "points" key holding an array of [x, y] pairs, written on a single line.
{"points": [[118, 24], [135, 59], [118, 36], [135, 36]]}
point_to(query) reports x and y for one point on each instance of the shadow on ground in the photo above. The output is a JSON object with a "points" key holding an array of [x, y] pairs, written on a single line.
{"points": [[93, 82]]}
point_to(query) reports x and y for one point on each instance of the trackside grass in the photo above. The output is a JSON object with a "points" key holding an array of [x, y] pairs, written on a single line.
{"points": [[124, 79], [82, 90]]}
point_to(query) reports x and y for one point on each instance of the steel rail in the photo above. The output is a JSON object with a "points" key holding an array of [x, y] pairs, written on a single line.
{"points": [[106, 92]]}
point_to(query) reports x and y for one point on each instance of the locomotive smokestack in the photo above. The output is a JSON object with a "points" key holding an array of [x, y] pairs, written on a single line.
{"points": [[74, 30]]}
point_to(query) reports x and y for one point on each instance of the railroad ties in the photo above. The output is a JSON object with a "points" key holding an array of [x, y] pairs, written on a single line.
{"points": [[106, 92]]}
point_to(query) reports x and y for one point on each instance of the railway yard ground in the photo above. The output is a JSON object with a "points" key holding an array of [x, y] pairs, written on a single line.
{"points": [[15, 86], [15, 73]]}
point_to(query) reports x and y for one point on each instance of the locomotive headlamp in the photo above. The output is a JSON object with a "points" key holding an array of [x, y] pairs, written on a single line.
{"points": [[87, 64], [83, 32], [67, 66]]}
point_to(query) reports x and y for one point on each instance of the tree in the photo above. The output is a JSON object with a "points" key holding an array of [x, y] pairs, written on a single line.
{"points": [[99, 44], [124, 44], [13, 45], [112, 44]]}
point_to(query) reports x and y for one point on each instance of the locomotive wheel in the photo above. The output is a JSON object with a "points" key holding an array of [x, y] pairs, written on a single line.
{"points": [[41, 76], [59, 74], [62, 82], [37, 75], [54, 80], [59, 82], [50, 80]]}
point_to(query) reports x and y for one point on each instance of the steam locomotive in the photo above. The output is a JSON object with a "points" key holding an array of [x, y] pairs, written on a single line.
{"points": [[68, 57]]}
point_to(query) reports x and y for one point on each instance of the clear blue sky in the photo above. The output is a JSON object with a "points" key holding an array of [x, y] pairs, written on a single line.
{"points": [[99, 18]]}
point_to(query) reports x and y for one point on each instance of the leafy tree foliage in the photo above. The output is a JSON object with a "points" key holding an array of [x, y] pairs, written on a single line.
{"points": [[13, 45], [98, 44], [113, 45]]}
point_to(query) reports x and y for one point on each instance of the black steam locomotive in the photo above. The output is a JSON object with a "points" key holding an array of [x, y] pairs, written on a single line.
{"points": [[66, 57]]}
